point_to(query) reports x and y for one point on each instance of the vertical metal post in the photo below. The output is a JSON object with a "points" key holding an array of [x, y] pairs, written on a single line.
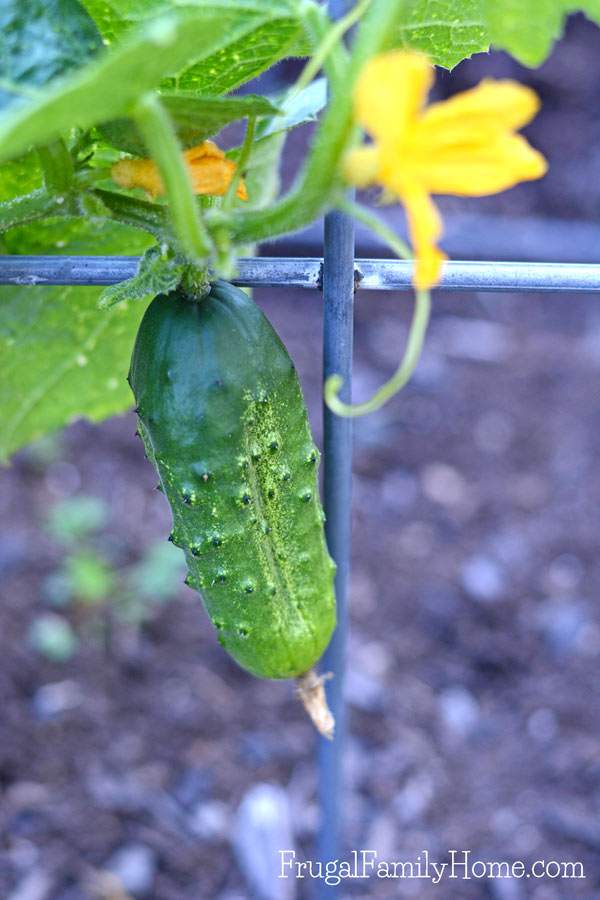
{"points": [[338, 301], [338, 313]]}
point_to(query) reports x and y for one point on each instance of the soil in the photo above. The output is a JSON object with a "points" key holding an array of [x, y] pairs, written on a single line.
{"points": [[474, 653]]}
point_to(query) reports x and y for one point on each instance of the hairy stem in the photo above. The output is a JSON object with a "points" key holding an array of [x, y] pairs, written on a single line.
{"points": [[38, 204], [327, 44], [163, 146]]}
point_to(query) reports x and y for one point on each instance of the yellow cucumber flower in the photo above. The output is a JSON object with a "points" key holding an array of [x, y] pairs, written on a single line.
{"points": [[210, 171], [465, 145]]}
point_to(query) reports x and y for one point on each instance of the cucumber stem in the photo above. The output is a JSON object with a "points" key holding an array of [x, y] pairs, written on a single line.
{"points": [[311, 693]]}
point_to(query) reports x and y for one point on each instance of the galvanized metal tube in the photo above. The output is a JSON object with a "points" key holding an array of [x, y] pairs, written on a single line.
{"points": [[74, 270], [104, 270], [338, 298], [371, 274], [394, 274]]}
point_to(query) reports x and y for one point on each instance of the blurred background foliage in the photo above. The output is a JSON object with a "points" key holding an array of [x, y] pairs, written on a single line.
{"points": [[90, 589]]}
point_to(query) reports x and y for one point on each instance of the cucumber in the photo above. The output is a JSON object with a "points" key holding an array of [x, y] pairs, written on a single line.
{"points": [[223, 419]]}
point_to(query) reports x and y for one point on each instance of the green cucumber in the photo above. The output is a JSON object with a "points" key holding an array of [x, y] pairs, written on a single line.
{"points": [[223, 419]]}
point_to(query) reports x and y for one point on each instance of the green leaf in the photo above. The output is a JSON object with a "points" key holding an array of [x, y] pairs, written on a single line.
{"points": [[242, 59], [115, 16], [530, 34], [20, 176], [109, 21], [109, 87], [39, 40], [195, 118], [447, 30], [60, 358], [452, 30], [295, 109], [158, 273]]}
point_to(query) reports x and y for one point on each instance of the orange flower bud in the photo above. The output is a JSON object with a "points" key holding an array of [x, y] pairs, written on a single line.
{"points": [[209, 169]]}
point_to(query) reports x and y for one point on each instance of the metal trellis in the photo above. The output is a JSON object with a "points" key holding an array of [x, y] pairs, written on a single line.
{"points": [[338, 284], [307, 272]]}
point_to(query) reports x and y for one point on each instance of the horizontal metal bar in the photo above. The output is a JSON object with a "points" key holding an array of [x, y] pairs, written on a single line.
{"points": [[82, 270], [372, 274], [395, 274], [101, 270]]}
